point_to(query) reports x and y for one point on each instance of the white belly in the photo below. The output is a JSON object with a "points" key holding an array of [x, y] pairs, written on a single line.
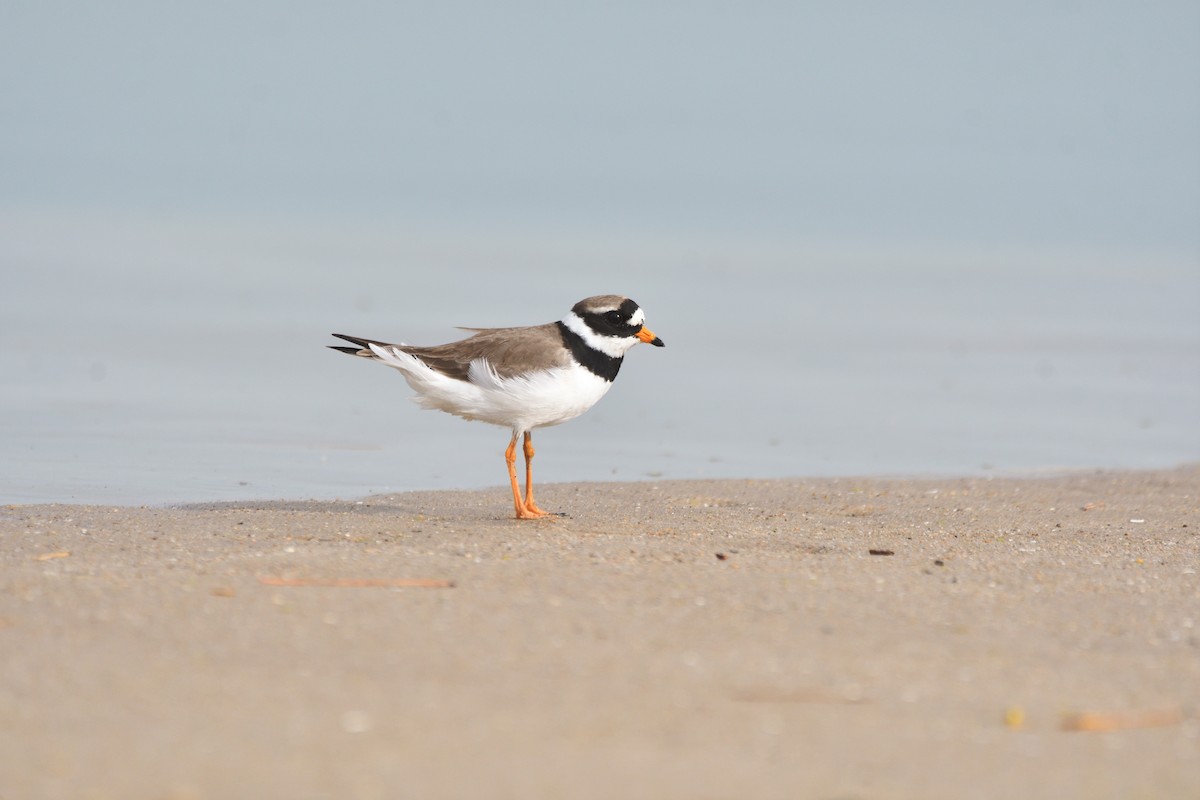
{"points": [[522, 403]]}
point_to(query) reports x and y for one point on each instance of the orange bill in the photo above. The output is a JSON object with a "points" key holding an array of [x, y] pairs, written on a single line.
{"points": [[646, 335]]}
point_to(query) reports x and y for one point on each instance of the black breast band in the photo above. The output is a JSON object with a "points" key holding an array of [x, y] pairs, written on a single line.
{"points": [[596, 362]]}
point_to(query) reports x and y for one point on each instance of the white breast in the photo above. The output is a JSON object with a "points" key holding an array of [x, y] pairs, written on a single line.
{"points": [[537, 399]]}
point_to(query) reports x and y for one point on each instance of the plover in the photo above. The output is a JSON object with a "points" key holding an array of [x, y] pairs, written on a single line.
{"points": [[521, 378]]}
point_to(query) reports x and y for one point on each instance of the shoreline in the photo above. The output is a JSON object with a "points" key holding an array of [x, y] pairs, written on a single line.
{"points": [[983, 474], [831, 637]]}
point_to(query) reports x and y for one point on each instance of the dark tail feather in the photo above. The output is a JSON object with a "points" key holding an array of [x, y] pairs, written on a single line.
{"points": [[363, 348], [355, 339]]}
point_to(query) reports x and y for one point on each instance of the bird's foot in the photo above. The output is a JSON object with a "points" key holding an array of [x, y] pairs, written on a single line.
{"points": [[533, 512]]}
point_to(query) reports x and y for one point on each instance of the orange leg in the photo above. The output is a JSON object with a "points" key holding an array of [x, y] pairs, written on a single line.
{"points": [[530, 506], [510, 458]]}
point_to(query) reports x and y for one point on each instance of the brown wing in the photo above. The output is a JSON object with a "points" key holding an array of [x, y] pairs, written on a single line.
{"points": [[510, 351]]}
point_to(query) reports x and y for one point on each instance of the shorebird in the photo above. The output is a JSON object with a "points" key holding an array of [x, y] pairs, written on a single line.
{"points": [[521, 378]]}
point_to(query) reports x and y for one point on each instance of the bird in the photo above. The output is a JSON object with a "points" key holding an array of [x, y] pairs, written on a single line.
{"points": [[520, 378]]}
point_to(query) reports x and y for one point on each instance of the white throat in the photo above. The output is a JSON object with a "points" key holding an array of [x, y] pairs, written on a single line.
{"points": [[614, 346]]}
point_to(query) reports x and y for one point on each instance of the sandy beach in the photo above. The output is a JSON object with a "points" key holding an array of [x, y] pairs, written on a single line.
{"points": [[841, 639]]}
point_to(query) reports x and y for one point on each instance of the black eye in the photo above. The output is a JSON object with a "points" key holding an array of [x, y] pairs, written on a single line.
{"points": [[615, 317]]}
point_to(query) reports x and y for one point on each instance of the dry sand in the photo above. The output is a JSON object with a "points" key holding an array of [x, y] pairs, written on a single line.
{"points": [[725, 639]]}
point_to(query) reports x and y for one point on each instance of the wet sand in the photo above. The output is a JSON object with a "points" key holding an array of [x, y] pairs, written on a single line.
{"points": [[851, 638]]}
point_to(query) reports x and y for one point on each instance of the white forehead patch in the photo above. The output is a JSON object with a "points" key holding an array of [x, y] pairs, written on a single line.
{"points": [[638, 318]]}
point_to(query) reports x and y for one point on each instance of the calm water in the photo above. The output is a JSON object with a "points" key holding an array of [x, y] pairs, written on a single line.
{"points": [[877, 237], [148, 361]]}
